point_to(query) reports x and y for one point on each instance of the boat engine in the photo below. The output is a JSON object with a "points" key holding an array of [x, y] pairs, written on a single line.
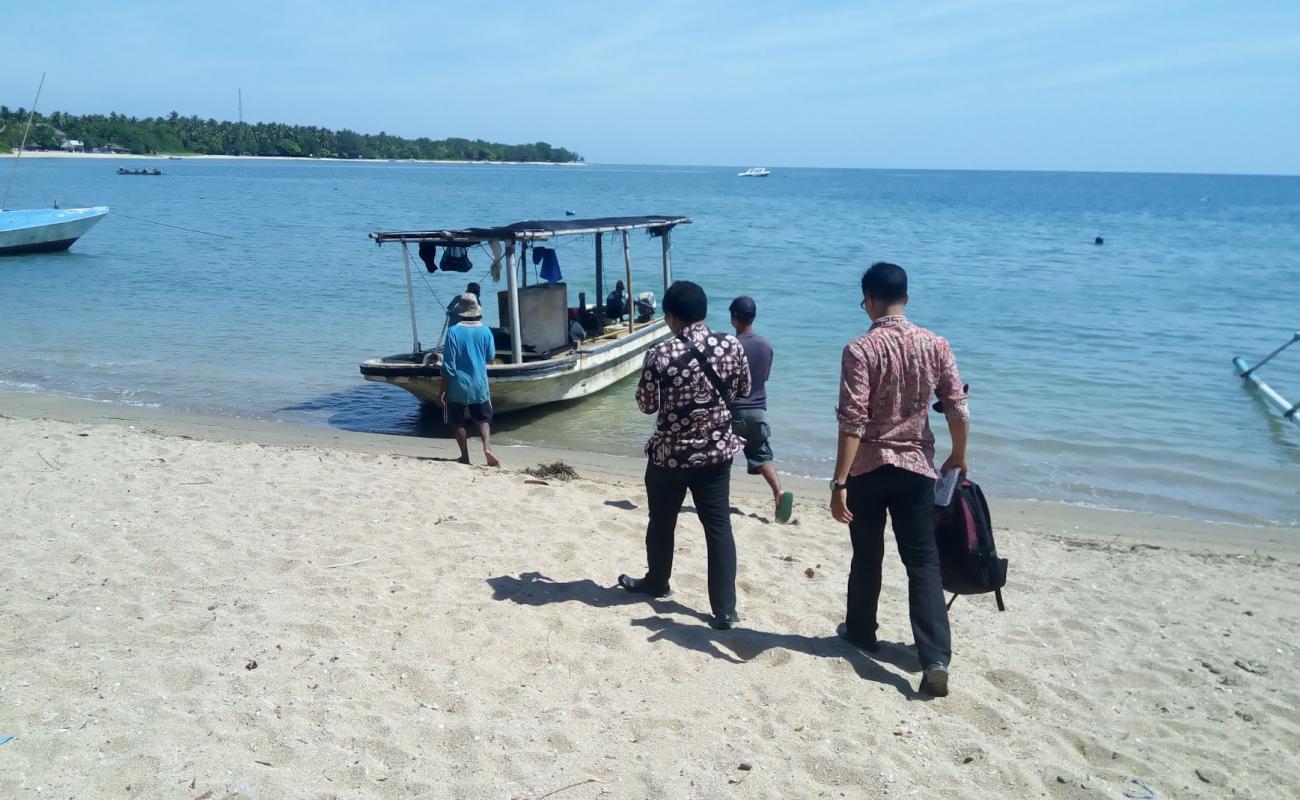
{"points": [[645, 306]]}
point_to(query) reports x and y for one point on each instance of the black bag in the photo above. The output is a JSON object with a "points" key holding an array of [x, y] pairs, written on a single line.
{"points": [[968, 557]]}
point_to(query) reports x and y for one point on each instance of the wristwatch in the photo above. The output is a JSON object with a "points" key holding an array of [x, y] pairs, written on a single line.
{"points": [[836, 485]]}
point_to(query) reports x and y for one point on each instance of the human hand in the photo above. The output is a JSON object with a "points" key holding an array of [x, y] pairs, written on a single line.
{"points": [[955, 461], [840, 506]]}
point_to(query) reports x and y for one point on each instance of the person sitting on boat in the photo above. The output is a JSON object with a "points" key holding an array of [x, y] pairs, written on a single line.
{"points": [[468, 348], [690, 380], [471, 288], [616, 303]]}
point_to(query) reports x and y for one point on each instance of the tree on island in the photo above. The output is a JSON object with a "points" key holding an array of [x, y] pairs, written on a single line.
{"points": [[177, 134]]}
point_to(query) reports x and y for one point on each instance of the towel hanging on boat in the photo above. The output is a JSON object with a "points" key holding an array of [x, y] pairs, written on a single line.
{"points": [[550, 271], [496, 260], [429, 255]]}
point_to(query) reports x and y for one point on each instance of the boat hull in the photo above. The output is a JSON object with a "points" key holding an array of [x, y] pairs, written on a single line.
{"points": [[516, 387], [45, 230]]}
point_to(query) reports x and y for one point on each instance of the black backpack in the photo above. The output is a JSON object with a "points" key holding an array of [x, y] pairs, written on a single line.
{"points": [[968, 557]]}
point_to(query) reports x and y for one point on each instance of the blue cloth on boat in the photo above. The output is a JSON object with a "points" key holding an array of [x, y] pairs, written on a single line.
{"points": [[465, 356], [550, 271]]}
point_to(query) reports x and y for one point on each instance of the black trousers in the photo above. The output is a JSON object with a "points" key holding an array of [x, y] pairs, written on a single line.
{"points": [[710, 489], [909, 499]]}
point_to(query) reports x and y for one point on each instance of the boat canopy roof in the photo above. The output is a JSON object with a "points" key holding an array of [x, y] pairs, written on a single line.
{"points": [[534, 230]]}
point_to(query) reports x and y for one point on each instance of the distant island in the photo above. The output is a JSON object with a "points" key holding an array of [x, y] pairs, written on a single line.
{"points": [[174, 134]]}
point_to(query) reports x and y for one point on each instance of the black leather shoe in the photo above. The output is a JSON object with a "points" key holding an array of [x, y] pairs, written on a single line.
{"points": [[935, 681], [724, 622], [639, 586], [866, 643]]}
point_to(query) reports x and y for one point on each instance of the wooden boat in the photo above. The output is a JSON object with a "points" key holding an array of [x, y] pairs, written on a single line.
{"points": [[45, 230], [1288, 409], [542, 364]]}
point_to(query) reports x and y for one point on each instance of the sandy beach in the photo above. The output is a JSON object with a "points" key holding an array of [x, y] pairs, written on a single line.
{"points": [[257, 610]]}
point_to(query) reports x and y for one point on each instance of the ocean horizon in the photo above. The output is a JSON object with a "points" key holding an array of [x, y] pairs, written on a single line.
{"points": [[1100, 375]]}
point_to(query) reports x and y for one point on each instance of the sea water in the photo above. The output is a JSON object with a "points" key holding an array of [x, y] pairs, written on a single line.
{"points": [[1098, 374]]}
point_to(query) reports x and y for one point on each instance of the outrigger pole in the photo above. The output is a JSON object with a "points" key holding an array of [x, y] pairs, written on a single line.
{"points": [[1289, 410]]}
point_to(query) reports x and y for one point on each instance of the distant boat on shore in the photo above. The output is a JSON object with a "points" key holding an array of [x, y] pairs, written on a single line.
{"points": [[45, 230], [754, 172]]}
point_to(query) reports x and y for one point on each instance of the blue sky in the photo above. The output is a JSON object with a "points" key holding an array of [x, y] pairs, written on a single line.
{"points": [[974, 84]]}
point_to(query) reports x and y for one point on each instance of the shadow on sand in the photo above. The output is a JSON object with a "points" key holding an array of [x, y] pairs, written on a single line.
{"points": [[737, 646]]}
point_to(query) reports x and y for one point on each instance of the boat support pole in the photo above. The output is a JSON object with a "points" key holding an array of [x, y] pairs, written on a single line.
{"points": [[629, 304], [668, 264], [410, 299], [512, 289], [600, 282]]}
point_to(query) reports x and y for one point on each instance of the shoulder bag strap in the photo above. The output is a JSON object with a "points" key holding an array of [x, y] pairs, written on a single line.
{"points": [[718, 385]]}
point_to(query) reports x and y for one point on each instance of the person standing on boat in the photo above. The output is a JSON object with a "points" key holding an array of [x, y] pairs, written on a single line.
{"points": [[690, 380], [885, 462], [465, 355], [471, 288], [749, 413]]}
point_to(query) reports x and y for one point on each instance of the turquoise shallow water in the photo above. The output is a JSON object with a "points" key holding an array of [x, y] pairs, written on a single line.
{"points": [[1098, 374]]}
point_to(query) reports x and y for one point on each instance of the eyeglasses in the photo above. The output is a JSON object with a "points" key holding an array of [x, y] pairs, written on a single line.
{"points": [[863, 304]]}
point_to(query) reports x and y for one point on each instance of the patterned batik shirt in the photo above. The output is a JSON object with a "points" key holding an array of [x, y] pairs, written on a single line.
{"points": [[694, 425], [887, 378]]}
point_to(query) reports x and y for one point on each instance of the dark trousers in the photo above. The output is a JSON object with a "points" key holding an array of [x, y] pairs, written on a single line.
{"points": [[909, 499], [711, 490]]}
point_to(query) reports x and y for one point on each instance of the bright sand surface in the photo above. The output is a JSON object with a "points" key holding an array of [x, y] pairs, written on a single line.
{"points": [[208, 609]]}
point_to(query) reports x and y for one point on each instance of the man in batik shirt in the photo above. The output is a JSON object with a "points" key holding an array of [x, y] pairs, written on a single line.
{"points": [[689, 380], [885, 462]]}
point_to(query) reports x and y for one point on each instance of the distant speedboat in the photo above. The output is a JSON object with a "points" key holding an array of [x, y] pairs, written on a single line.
{"points": [[45, 230], [754, 172]]}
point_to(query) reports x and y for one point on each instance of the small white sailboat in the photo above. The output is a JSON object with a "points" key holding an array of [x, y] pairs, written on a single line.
{"points": [[542, 364], [1288, 409], [45, 230], [754, 172]]}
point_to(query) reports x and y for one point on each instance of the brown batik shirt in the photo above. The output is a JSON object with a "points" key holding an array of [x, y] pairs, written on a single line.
{"points": [[693, 428]]}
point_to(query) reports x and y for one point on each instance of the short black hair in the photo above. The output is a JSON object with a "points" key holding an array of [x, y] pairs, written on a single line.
{"points": [[686, 301], [474, 289], [744, 309], [885, 282]]}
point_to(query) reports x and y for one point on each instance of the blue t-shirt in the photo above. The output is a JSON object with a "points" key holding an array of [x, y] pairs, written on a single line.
{"points": [[465, 356]]}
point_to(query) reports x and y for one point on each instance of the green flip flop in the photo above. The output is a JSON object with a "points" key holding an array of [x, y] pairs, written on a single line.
{"points": [[785, 507]]}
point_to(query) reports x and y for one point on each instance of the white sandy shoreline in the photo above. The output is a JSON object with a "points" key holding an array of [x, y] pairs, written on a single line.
{"points": [[1082, 521], [234, 612]]}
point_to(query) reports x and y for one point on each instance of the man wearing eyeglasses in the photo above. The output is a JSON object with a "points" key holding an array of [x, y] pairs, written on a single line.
{"points": [[885, 462]]}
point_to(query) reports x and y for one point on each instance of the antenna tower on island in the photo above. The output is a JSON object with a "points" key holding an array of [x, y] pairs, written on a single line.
{"points": [[241, 106]]}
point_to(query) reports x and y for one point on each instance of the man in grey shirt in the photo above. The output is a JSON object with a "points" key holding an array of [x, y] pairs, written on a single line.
{"points": [[749, 414]]}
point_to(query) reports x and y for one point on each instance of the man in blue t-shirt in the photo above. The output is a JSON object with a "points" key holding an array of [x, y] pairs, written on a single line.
{"points": [[468, 348], [749, 414]]}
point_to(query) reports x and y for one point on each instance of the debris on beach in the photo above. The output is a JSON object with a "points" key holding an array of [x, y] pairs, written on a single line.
{"points": [[252, 664], [557, 470], [1251, 667], [810, 572]]}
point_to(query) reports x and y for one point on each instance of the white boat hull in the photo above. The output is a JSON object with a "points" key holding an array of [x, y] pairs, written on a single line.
{"points": [[45, 230], [515, 387]]}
